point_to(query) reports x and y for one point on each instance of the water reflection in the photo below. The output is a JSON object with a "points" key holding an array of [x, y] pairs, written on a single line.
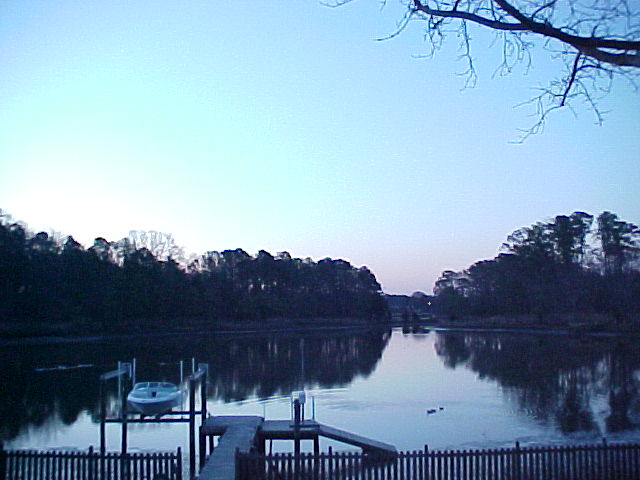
{"points": [[43, 382], [568, 381], [570, 386]]}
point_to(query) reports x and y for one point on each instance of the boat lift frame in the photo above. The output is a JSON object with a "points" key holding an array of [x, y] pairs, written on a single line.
{"points": [[125, 373]]}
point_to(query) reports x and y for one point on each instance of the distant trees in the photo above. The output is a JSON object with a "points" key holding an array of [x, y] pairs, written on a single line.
{"points": [[137, 283], [161, 245], [266, 286], [619, 244], [571, 264]]}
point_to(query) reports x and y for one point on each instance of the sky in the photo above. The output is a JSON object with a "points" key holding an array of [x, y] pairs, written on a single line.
{"points": [[286, 126]]}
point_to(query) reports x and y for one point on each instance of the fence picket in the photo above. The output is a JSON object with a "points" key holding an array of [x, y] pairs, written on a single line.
{"points": [[588, 462], [89, 465]]}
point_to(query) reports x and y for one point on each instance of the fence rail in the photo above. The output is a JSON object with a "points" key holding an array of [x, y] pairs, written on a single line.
{"points": [[89, 465], [574, 462]]}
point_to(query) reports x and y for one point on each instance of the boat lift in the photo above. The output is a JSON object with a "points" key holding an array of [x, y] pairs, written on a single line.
{"points": [[126, 376]]}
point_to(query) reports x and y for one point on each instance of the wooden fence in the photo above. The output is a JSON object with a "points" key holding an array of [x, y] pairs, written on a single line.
{"points": [[89, 465], [575, 462]]}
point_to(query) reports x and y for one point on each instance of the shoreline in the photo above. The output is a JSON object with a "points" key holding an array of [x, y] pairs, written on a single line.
{"points": [[590, 325], [587, 324], [221, 328]]}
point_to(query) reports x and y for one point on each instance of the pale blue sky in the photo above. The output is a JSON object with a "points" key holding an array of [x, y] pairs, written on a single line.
{"points": [[284, 125]]}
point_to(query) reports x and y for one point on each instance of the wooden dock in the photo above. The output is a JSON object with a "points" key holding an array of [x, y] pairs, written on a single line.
{"points": [[236, 433], [249, 433]]}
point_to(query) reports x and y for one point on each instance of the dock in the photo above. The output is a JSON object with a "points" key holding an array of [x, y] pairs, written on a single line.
{"points": [[247, 433], [236, 433]]}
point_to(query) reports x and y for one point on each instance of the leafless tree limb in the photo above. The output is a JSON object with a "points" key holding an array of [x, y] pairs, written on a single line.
{"points": [[599, 40]]}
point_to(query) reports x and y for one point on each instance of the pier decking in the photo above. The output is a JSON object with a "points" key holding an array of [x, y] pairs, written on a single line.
{"points": [[236, 433], [244, 433]]}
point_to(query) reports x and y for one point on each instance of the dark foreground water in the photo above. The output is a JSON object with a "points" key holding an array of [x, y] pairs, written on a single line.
{"points": [[446, 389]]}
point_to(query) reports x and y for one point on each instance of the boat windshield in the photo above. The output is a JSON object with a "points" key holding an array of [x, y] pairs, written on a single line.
{"points": [[155, 386]]}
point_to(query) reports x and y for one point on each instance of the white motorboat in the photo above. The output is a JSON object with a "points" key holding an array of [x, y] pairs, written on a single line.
{"points": [[154, 398]]}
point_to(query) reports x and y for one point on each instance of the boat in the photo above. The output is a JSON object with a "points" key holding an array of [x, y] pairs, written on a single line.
{"points": [[154, 398]]}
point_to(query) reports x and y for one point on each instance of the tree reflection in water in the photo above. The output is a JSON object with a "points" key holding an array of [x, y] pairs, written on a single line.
{"points": [[41, 383], [556, 378]]}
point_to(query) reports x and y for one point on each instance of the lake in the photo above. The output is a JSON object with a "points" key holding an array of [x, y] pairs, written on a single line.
{"points": [[447, 389]]}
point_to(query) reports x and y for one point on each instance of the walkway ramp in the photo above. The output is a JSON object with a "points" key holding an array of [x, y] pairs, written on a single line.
{"points": [[309, 429], [237, 432], [284, 429], [366, 444]]}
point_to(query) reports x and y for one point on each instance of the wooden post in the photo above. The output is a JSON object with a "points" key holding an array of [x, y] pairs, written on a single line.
{"points": [[261, 444], [3, 461], [123, 414], [178, 473], [237, 463], [426, 463], [89, 463], [605, 455], [296, 427], [296, 437], [192, 429], [124, 463], [103, 418], [516, 464], [202, 446], [204, 382]]}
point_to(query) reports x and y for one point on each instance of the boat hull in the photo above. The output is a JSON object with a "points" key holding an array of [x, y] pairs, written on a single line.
{"points": [[152, 401]]}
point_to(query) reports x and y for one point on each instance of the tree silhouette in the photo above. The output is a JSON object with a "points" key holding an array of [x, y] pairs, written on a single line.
{"points": [[124, 286], [566, 265], [618, 240]]}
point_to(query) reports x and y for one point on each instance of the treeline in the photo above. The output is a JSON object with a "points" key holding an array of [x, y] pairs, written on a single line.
{"points": [[573, 264], [136, 284]]}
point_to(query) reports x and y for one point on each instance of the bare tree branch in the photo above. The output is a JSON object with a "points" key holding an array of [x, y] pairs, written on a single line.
{"points": [[455, 13], [598, 40], [590, 46], [572, 79]]}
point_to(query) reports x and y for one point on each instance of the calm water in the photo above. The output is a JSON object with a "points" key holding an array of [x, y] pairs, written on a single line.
{"points": [[487, 389]]}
